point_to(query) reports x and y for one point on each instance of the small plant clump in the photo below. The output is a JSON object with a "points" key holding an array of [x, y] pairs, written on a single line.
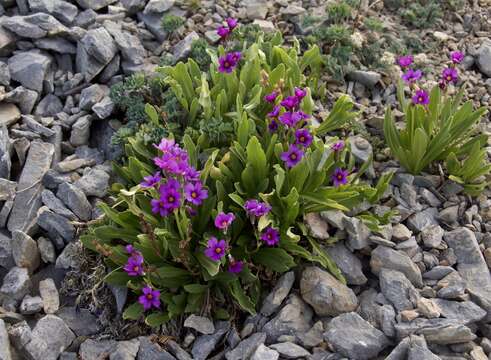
{"points": [[200, 225], [438, 128], [170, 23]]}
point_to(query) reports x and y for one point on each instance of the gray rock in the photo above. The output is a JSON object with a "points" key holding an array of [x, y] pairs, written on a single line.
{"points": [[56, 44], [401, 233], [95, 350], [104, 108], [50, 337], [133, 6], [71, 165], [94, 51], [126, 350], [95, 4], [205, 344], [387, 320], [367, 78], [294, 319], [76, 200], [28, 198], [46, 250], [348, 263], [7, 189], [335, 218], [281, 290], [466, 311], [182, 49], [437, 331], [360, 148], [70, 257], [9, 114], [34, 26], [130, 46], [200, 324], [81, 131], [92, 95], [62, 10], [52, 179], [264, 353], [317, 227], [325, 293], [6, 258], [246, 347], [153, 23], [438, 272], [4, 342], [56, 205], [358, 233], [80, 321], [58, 228], [31, 305], [449, 215], [4, 74], [384, 257], [20, 334], [354, 337], [418, 221], [397, 289], [152, 351], [50, 296], [472, 266], [290, 350], [16, 284], [484, 58], [25, 251], [5, 147], [24, 98], [158, 6], [7, 42], [432, 236], [256, 9], [30, 69], [35, 126]]}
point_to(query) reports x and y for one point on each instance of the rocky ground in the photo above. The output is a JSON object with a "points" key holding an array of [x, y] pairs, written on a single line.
{"points": [[418, 289]]}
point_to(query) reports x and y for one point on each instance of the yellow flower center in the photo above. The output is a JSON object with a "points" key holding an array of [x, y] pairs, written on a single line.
{"points": [[149, 296], [293, 156], [171, 199], [218, 250], [194, 195]]}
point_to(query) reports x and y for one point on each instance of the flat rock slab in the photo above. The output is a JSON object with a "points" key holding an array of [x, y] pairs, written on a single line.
{"points": [[28, 199], [9, 114]]}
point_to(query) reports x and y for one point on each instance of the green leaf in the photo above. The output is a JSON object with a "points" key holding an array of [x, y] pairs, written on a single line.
{"points": [[196, 288], [117, 277], [152, 114], [275, 259], [133, 312], [241, 297], [211, 267], [156, 319]]}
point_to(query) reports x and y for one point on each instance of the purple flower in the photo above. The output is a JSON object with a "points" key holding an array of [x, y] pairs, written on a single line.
{"points": [[450, 75], [300, 93], [228, 62], [232, 23], [340, 177], [291, 119], [150, 298], [223, 32], [338, 146], [292, 157], [275, 112], [271, 97], [270, 236], [151, 180], [235, 266], [421, 97], [273, 126], [405, 61], [456, 57], [195, 193], [256, 208], [216, 249], [166, 145], [303, 137], [290, 103], [223, 221], [191, 174], [170, 198], [134, 266], [173, 160], [412, 76], [129, 249]]}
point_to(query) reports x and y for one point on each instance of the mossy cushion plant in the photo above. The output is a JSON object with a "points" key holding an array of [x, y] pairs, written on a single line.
{"points": [[197, 227]]}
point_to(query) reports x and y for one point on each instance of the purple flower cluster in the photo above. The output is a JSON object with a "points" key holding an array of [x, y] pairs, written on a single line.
{"points": [[134, 265], [292, 156], [223, 221], [339, 177], [405, 61], [256, 208], [181, 180], [421, 97], [410, 77], [337, 146], [150, 298], [270, 236], [225, 31], [228, 62], [450, 74]]}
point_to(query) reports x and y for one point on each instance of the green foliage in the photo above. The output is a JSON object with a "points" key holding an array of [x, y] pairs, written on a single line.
{"points": [[171, 23], [199, 53], [373, 24], [247, 164], [442, 130], [338, 12], [422, 15]]}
